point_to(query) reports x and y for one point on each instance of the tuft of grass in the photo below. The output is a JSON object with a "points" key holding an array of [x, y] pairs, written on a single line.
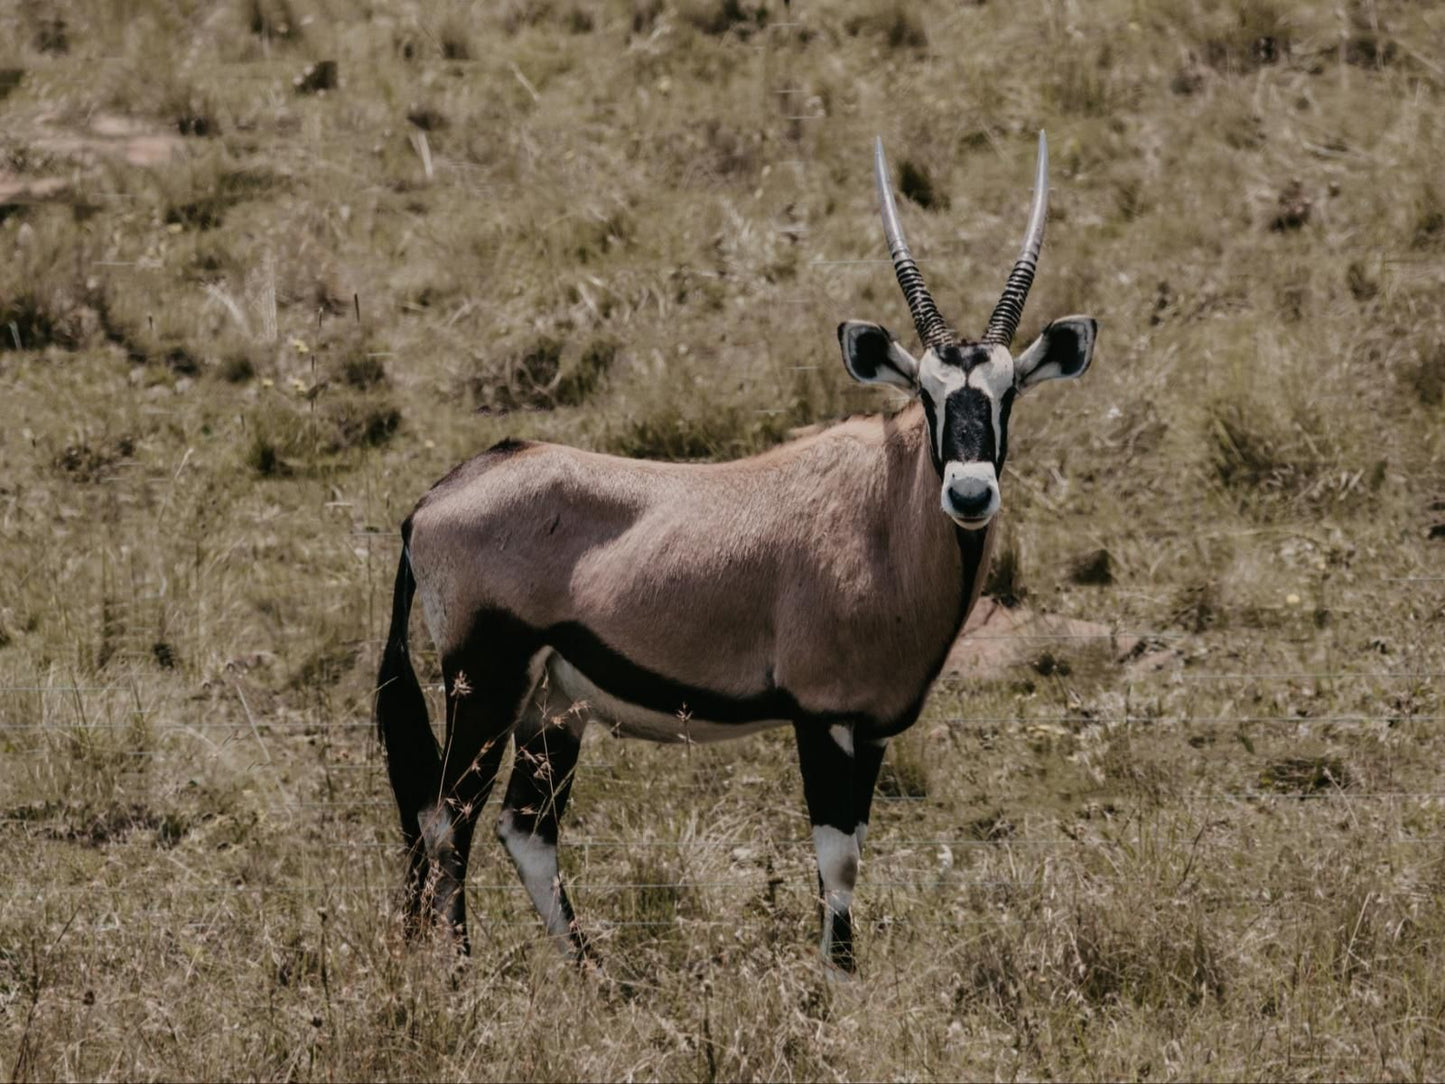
{"points": [[428, 118], [543, 372], [1429, 227], [454, 38], [100, 823], [1298, 456], [1196, 606], [273, 21], [47, 301], [721, 17], [324, 666], [238, 367], [1363, 285], [897, 24], [362, 369], [1051, 664], [200, 199], [87, 462], [526, 377], [1085, 81], [32, 321], [905, 770], [50, 32], [1006, 574], [193, 112], [288, 438], [318, 77], [264, 455], [645, 14], [1238, 36], [1305, 775], [671, 434], [1093, 569], [1251, 449], [579, 380], [915, 182], [1425, 376], [1293, 208]]}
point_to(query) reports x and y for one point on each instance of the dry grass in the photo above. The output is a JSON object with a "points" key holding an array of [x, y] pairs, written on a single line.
{"points": [[633, 224]]}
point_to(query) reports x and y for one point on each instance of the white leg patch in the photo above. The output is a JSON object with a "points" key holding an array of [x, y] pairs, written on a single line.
{"points": [[838, 868], [860, 834], [837, 864], [536, 862], [842, 737]]}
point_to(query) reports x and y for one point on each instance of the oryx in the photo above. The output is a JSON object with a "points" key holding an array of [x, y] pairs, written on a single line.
{"points": [[818, 585]]}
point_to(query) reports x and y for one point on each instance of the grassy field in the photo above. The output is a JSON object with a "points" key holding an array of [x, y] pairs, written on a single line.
{"points": [[270, 267]]}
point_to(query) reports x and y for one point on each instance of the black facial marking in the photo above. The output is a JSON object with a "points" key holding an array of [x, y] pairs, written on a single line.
{"points": [[964, 355], [1006, 404], [931, 413], [968, 427]]}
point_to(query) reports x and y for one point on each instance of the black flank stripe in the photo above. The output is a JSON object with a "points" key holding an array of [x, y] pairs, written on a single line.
{"points": [[499, 644], [617, 675]]}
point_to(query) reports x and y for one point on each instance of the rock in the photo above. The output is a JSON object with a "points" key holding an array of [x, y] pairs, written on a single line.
{"points": [[997, 640]]}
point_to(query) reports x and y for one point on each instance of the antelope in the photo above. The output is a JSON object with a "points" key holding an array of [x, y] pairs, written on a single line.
{"points": [[819, 584]]}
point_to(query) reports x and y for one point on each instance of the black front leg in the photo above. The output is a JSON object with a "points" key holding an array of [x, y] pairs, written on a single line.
{"points": [[825, 755], [867, 761]]}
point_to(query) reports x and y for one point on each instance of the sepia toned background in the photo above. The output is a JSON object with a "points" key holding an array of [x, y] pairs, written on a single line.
{"points": [[268, 268]]}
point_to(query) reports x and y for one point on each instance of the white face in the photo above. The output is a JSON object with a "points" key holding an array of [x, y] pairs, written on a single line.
{"points": [[968, 393]]}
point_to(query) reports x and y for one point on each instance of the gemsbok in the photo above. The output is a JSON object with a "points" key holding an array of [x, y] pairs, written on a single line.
{"points": [[818, 585]]}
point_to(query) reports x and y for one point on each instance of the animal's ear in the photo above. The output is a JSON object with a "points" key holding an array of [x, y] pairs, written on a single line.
{"points": [[873, 356], [1062, 352]]}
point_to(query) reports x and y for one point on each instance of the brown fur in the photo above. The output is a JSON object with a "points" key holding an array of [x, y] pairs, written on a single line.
{"points": [[823, 567]]}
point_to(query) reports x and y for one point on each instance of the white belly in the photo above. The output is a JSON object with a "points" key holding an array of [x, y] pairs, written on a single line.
{"points": [[568, 685]]}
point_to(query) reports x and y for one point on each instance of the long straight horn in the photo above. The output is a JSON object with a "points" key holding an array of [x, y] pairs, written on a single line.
{"points": [[1010, 308], [932, 328]]}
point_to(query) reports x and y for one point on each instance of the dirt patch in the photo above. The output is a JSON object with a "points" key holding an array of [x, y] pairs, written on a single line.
{"points": [[16, 189], [103, 137], [137, 142], [998, 640]]}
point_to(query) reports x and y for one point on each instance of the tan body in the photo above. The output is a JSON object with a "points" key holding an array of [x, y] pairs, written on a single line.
{"points": [[820, 570]]}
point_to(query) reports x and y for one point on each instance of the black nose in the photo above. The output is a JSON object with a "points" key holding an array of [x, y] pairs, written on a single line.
{"points": [[970, 501]]}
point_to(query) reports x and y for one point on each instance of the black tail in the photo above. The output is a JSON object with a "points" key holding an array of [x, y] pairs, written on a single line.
{"points": [[412, 758]]}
